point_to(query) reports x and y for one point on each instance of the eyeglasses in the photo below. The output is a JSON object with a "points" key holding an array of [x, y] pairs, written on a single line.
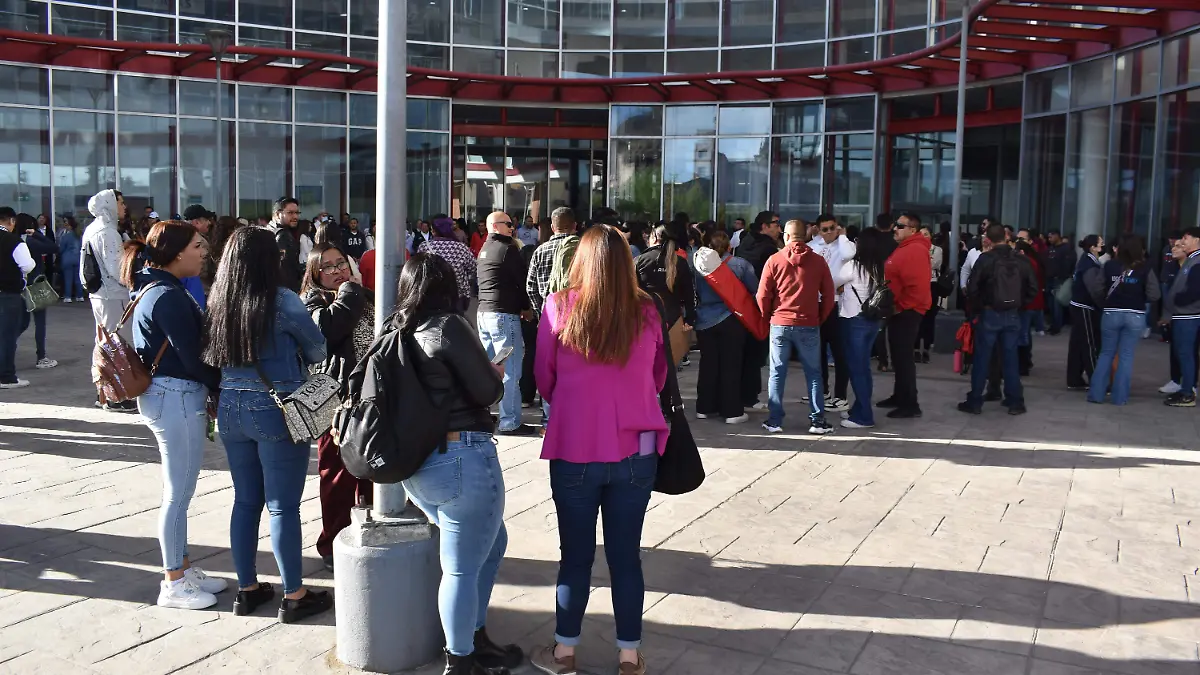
{"points": [[827, 230], [335, 267], [292, 212], [775, 222]]}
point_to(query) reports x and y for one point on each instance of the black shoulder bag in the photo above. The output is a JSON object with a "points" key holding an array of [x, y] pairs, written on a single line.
{"points": [[680, 469]]}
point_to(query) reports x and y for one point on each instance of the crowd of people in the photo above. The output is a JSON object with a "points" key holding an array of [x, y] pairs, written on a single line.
{"points": [[585, 321]]}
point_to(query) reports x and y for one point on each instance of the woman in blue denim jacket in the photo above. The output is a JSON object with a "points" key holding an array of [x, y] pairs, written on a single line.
{"points": [[255, 321]]}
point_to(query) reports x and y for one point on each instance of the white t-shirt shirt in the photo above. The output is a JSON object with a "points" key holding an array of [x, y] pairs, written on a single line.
{"points": [[965, 275], [857, 287], [736, 239]]}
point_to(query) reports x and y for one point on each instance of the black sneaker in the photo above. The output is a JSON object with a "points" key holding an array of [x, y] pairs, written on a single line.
{"points": [[1181, 400], [991, 396], [889, 402], [312, 603], [248, 601], [523, 430], [905, 413], [966, 407], [820, 427], [1016, 410], [924, 357]]}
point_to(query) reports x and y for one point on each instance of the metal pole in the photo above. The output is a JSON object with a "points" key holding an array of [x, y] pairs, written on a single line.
{"points": [[959, 135], [220, 207]]}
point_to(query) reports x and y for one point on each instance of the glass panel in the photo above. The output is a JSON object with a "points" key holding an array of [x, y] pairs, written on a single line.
{"points": [[1042, 188], [146, 94], [428, 113], [429, 56], [483, 185], [84, 160], [906, 42], [532, 64], [743, 120], [25, 159], [364, 110], [586, 24], [803, 117], [692, 62], [81, 22], [1181, 61], [639, 24], [145, 28], [1132, 188], [637, 64], [320, 106], [693, 23], [584, 65], [265, 37], [320, 166], [199, 97], [1179, 202], [745, 60], [749, 22], [323, 15], [688, 177], [1137, 72], [264, 162], [147, 148], [195, 32], [265, 103], [691, 120], [25, 16], [852, 17], [428, 174], [850, 166], [266, 12], [484, 61], [637, 120], [525, 182], [77, 89], [1047, 92], [850, 114], [742, 177], [24, 85], [198, 160], [220, 10], [1092, 82], [796, 174], [364, 20], [429, 21], [318, 42], [533, 23], [904, 13], [851, 51], [800, 21], [362, 175], [570, 181], [1086, 187], [365, 48], [635, 179], [788, 57], [479, 22]]}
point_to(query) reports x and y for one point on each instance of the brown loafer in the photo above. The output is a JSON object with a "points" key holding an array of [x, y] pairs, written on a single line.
{"points": [[638, 668], [543, 659]]}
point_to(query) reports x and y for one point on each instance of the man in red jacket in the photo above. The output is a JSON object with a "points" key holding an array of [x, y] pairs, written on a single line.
{"points": [[908, 271], [796, 296]]}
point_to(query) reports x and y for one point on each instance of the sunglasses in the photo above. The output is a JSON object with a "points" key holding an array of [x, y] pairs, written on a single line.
{"points": [[827, 230]]}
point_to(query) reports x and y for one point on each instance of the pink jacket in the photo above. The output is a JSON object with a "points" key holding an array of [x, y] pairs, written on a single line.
{"points": [[598, 411]]}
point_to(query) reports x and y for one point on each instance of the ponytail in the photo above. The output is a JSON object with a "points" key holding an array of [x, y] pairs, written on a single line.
{"points": [[132, 260], [664, 239]]}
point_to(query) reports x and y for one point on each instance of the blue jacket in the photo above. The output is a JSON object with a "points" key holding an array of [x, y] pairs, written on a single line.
{"points": [[1136, 287], [195, 288], [1088, 287], [167, 313], [69, 246], [296, 342], [39, 246], [710, 308]]}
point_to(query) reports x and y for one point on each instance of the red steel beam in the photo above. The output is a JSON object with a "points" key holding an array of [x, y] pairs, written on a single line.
{"points": [[1066, 33], [1015, 44], [1083, 16], [1160, 5]]}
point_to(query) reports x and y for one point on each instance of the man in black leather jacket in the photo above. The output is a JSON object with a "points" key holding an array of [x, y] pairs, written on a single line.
{"points": [[285, 214]]}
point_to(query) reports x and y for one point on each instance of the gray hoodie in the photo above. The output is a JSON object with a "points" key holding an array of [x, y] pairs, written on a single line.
{"points": [[103, 239]]}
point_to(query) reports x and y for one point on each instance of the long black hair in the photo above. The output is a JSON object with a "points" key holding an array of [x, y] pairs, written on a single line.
{"points": [[872, 253], [242, 302], [427, 287], [1131, 252]]}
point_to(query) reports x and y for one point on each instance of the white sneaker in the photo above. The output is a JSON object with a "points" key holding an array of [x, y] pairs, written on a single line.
{"points": [[804, 398], [1171, 387], [845, 414], [820, 428], [204, 582], [737, 420], [855, 425], [1145, 333], [836, 404], [704, 416], [67, 301], [14, 385], [771, 429], [46, 363], [761, 405], [1040, 333], [183, 594]]}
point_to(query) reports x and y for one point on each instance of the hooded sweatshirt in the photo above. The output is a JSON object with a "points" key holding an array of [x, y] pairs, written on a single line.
{"points": [[908, 270], [796, 288], [104, 241]]}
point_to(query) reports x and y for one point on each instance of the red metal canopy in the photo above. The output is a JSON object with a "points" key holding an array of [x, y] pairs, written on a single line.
{"points": [[1007, 38]]}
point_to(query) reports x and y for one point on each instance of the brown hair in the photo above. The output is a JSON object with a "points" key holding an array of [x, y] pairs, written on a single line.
{"points": [[719, 242], [312, 268], [609, 311], [166, 240]]}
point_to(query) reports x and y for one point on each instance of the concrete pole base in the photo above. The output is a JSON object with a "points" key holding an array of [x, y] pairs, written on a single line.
{"points": [[386, 581]]}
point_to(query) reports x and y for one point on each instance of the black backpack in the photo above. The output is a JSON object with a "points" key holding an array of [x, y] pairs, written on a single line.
{"points": [[388, 425], [1006, 283], [880, 303], [93, 279]]}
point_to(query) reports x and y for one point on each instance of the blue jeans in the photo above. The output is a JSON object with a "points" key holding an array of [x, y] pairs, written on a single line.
{"points": [[1119, 335], [174, 411], [806, 341], [1028, 318], [462, 492], [997, 327], [13, 321], [70, 277], [858, 335], [1056, 310], [1184, 333], [621, 490], [268, 469], [497, 331]]}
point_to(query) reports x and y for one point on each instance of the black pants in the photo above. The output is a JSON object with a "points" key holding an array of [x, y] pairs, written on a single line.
{"points": [[881, 347], [719, 387], [754, 358], [529, 330], [902, 333], [831, 340], [928, 324], [1084, 347], [1176, 371]]}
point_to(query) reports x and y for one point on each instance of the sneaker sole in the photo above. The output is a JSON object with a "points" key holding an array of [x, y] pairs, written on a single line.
{"points": [[170, 605]]}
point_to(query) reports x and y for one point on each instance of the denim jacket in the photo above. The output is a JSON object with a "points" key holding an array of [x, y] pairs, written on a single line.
{"points": [[710, 308], [296, 342]]}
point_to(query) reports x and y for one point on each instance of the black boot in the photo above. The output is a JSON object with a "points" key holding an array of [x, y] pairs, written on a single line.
{"points": [[491, 655], [467, 665]]}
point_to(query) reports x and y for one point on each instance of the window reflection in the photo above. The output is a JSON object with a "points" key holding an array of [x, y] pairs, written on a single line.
{"points": [[533, 23], [1179, 201], [796, 174], [146, 94], [691, 120], [428, 174], [1137, 72], [265, 12], [849, 166], [250, 36], [195, 32], [428, 113], [742, 178], [145, 28], [25, 159], [639, 24], [850, 114], [688, 177], [692, 62], [320, 106], [319, 42], [802, 117], [79, 89], [198, 160], [743, 120], [586, 24], [320, 165], [1042, 187], [81, 22], [26, 16], [858, 50], [265, 103], [744, 60], [1181, 61], [585, 65], [800, 21], [635, 178], [364, 17], [1132, 188], [478, 22], [199, 97], [1092, 82], [693, 23], [1086, 183], [532, 64], [1047, 92], [637, 64], [749, 22], [84, 159], [429, 20], [220, 10], [789, 57], [364, 110], [429, 56], [147, 158], [264, 165], [24, 85], [907, 42], [904, 13], [361, 170], [483, 61], [637, 120], [323, 15], [853, 17]]}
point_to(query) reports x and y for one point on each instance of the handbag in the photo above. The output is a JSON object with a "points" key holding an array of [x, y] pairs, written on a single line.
{"points": [[39, 294], [680, 469], [679, 342], [117, 370], [1065, 290], [880, 304], [309, 410]]}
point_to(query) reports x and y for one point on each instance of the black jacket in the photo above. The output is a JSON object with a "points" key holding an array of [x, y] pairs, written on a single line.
{"points": [[652, 277], [290, 269], [1060, 262], [456, 372], [979, 287], [501, 275], [755, 249], [338, 315], [42, 248], [167, 312]]}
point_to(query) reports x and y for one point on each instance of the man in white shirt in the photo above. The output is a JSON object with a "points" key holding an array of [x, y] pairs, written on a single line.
{"points": [[15, 263], [528, 233], [102, 241], [830, 243], [739, 224]]}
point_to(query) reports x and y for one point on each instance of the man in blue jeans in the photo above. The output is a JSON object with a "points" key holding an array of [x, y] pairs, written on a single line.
{"points": [[503, 304], [796, 296], [1183, 306], [15, 263], [1002, 282]]}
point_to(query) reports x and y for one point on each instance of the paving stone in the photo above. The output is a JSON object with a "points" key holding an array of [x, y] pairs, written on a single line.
{"points": [[889, 654]]}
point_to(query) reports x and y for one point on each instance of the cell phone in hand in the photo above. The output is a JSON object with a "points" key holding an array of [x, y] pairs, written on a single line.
{"points": [[502, 355]]}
